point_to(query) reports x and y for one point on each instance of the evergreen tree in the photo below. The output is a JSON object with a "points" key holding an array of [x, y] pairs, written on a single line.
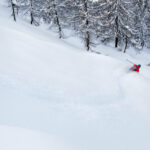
{"points": [[146, 23], [50, 14], [126, 22]]}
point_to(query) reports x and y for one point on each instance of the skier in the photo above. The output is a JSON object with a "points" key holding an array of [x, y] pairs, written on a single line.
{"points": [[135, 68]]}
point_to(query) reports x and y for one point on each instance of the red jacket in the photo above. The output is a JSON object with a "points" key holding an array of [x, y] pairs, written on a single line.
{"points": [[135, 68]]}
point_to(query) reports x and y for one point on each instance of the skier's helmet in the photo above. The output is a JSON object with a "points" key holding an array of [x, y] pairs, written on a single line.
{"points": [[139, 65]]}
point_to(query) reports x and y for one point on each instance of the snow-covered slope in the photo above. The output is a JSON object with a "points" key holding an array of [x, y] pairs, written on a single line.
{"points": [[49, 85], [23, 139]]}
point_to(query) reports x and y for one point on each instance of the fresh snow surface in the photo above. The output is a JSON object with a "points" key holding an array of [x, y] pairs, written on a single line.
{"points": [[53, 92], [22, 139]]}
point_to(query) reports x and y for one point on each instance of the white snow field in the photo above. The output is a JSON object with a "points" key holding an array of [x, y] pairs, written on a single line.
{"points": [[56, 96], [17, 138]]}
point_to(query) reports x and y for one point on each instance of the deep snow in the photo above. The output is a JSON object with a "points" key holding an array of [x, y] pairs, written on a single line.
{"points": [[18, 138], [49, 85]]}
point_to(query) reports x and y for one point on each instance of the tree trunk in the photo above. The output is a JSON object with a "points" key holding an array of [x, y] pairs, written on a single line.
{"points": [[87, 25], [57, 20], [31, 12], [31, 18], [17, 10], [126, 44], [58, 24], [116, 42], [13, 10], [87, 37], [116, 39]]}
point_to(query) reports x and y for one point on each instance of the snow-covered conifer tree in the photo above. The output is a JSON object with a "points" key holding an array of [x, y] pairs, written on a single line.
{"points": [[126, 22], [80, 19], [146, 22], [50, 14]]}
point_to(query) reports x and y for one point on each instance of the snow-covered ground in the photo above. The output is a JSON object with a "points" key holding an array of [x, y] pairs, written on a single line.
{"points": [[12, 138], [55, 95]]}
